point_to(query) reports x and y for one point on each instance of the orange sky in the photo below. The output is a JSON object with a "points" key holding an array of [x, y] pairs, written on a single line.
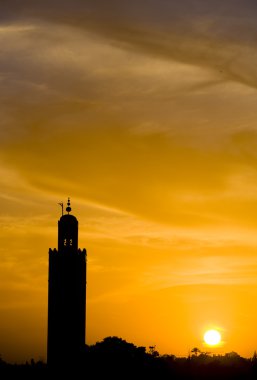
{"points": [[146, 117]]}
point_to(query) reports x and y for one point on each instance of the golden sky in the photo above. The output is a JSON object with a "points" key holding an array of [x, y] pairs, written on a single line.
{"points": [[144, 113]]}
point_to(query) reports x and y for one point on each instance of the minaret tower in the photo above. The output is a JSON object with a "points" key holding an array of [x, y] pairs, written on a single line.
{"points": [[66, 295]]}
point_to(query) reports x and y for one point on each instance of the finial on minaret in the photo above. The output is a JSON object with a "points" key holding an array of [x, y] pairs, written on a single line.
{"points": [[68, 208]]}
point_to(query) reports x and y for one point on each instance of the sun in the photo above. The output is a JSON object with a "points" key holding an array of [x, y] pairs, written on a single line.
{"points": [[212, 337]]}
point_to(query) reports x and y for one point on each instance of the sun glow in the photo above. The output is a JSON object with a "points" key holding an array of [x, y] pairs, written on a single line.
{"points": [[212, 337]]}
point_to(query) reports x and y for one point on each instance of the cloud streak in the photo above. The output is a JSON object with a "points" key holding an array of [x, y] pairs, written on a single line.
{"points": [[219, 35]]}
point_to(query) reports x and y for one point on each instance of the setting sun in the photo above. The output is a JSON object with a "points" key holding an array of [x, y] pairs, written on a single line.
{"points": [[212, 337]]}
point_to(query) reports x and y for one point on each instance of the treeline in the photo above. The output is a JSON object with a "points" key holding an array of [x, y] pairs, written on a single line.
{"points": [[117, 359]]}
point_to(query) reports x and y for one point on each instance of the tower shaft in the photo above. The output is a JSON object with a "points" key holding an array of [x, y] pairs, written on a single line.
{"points": [[66, 296]]}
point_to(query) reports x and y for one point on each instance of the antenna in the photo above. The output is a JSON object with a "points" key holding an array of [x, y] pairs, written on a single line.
{"points": [[61, 204]]}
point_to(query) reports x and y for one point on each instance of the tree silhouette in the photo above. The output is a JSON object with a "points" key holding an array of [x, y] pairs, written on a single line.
{"points": [[195, 351], [115, 358], [153, 351]]}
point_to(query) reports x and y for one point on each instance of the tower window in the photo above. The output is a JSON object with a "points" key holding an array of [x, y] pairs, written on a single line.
{"points": [[67, 242]]}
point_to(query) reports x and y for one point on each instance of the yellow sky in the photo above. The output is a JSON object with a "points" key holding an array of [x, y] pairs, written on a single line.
{"points": [[146, 118]]}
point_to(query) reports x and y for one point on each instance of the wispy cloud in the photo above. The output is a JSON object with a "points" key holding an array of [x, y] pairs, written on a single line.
{"points": [[215, 35]]}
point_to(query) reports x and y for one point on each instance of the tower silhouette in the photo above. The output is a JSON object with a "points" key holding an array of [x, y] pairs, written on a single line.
{"points": [[66, 295]]}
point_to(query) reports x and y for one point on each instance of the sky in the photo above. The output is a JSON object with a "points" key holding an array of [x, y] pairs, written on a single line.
{"points": [[144, 114]]}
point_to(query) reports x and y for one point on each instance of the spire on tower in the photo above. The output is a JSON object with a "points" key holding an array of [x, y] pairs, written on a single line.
{"points": [[68, 208]]}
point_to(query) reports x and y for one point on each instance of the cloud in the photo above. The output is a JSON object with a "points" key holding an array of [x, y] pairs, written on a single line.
{"points": [[218, 35]]}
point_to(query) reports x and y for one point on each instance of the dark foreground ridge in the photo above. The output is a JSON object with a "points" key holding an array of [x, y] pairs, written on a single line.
{"points": [[117, 359]]}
